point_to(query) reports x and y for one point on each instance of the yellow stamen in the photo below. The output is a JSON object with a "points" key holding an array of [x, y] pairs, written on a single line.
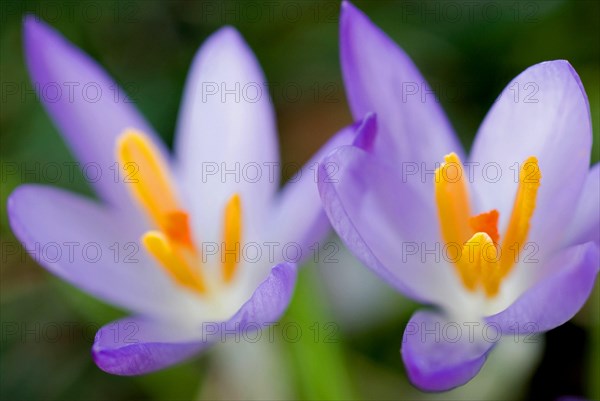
{"points": [[480, 264], [530, 177], [172, 244], [232, 236], [452, 202], [175, 262], [150, 181]]}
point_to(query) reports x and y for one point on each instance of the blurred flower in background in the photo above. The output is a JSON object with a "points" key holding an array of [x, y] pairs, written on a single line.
{"points": [[187, 295], [467, 51]]}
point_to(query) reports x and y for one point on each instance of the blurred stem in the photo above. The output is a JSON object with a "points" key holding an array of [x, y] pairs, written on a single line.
{"points": [[252, 367], [312, 335]]}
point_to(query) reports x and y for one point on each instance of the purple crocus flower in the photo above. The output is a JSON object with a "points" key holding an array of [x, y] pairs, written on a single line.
{"points": [[183, 293], [504, 244]]}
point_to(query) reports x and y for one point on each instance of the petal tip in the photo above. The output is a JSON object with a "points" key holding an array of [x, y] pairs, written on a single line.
{"points": [[228, 31], [286, 271], [366, 133], [44, 47], [109, 363], [435, 362], [226, 37], [269, 300], [564, 70], [124, 360], [432, 380], [99, 358], [351, 19], [13, 209], [35, 31], [348, 9], [229, 46], [433, 384], [558, 67], [32, 24]]}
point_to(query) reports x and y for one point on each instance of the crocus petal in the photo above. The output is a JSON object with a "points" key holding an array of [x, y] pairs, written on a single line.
{"points": [[299, 216], [134, 346], [85, 244], [570, 278], [366, 133], [585, 225], [226, 139], [384, 221], [544, 113], [269, 301], [379, 77], [440, 354], [89, 108]]}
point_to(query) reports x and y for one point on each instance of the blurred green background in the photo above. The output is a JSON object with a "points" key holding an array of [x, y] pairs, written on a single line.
{"points": [[467, 50]]}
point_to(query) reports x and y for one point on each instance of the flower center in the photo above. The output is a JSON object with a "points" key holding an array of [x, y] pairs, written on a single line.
{"points": [[171, 242], [473, 242]]}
